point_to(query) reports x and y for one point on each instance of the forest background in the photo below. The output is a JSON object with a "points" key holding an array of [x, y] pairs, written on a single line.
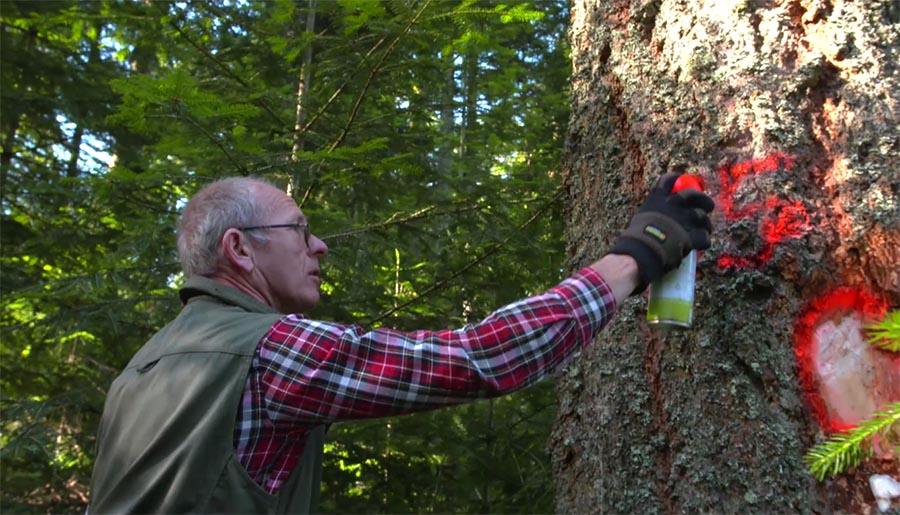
{"points": [[422, 138]]}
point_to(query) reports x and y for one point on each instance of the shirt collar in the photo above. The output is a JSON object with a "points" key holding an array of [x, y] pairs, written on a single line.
{"points": [[199, 285]]}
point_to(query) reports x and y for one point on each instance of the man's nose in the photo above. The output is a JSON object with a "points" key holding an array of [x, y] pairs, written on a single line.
{"points": [[317, 247]]}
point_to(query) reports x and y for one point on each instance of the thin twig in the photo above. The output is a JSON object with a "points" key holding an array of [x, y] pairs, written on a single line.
{"points": [[319, 112], [221, 65], [354, 111], [373, 72], [478, 259], [425, 212], [217, 143]]}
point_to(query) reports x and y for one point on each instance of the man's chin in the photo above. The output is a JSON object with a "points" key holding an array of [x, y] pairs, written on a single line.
{"points": [[301, 306]]}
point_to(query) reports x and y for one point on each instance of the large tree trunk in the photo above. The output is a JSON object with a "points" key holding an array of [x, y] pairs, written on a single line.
{"points": [[789, 110]]}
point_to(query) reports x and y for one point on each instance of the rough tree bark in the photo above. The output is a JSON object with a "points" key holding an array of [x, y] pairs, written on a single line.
{"points": [[789, 110]]}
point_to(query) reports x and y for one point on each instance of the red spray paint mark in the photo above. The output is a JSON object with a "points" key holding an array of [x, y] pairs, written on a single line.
{"points": [[781, 219], [840, 303]]}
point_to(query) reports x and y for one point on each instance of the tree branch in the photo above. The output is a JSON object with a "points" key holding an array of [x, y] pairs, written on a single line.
{"points": [[478, 259], [373, 72], [217, 143], [425, 212], [353, 112], [234, 76]]}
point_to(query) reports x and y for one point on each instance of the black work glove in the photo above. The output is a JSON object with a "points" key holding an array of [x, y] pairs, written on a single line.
{"points": [[665, 229]]}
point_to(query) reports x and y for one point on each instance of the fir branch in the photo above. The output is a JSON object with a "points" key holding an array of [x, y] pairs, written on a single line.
{"points": [[478, 259], [372, 73], [215, 141], [886, 333], [359, 99], [401, 218], [219, 64], [848, 449]]}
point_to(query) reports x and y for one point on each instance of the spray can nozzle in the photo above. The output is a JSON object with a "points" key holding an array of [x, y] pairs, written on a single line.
{"points": [[686, 182]]}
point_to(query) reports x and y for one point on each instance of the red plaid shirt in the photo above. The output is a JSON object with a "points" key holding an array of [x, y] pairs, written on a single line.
{"points": [[308, 372]]}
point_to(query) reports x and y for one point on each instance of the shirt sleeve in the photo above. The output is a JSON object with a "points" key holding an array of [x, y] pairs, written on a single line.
{"points": [[314, 371]]}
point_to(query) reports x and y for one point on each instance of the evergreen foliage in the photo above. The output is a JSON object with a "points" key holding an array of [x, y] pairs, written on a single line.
{"points": [[885, 334], [424, 150], [847, 449]]}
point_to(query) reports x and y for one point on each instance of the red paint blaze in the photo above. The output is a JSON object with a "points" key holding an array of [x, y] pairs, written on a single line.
{"points": [[758, 260], [841, 301], [782, 219]]}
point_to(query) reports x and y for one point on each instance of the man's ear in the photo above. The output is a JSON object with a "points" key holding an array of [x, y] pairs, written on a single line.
{"points": [[237, 250]]}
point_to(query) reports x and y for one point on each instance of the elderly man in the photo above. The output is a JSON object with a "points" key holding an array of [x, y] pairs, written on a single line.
{"points": [[224, 409]]}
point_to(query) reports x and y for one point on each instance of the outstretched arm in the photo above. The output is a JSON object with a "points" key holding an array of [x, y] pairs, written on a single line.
{"points": [[620, 272]]}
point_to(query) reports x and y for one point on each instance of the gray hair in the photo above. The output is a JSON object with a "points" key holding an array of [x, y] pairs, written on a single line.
{"points": [[219, 206]]}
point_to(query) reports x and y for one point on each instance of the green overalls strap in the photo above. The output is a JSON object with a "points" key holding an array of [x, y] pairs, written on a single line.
{"points": [[165, 443]]}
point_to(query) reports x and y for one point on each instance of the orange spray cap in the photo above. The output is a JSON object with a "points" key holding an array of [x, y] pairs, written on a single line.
{"points": [[686, 181]]}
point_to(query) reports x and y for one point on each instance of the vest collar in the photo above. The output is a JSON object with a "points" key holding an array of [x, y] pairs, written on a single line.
{"points": [[199, 285]]}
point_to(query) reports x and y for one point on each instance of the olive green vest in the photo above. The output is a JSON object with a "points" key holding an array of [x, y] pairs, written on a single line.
{"points": [[165, 443]]}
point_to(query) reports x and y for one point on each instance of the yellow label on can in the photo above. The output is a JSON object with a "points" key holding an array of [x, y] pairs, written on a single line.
{"points": [[672, 297], [670, 311]]}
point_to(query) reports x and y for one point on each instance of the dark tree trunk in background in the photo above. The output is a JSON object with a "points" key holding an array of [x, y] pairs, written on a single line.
{"points": [[789, 110]]}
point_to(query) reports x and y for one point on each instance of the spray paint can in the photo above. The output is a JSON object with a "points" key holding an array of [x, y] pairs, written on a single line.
{"points": [[671, 302]]}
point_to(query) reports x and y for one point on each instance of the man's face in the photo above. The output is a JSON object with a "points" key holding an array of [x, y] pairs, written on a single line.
{"points": [[286, 267]]}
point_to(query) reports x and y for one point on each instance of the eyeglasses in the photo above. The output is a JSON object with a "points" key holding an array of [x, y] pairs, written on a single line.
{"points": [[296, 227]]}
